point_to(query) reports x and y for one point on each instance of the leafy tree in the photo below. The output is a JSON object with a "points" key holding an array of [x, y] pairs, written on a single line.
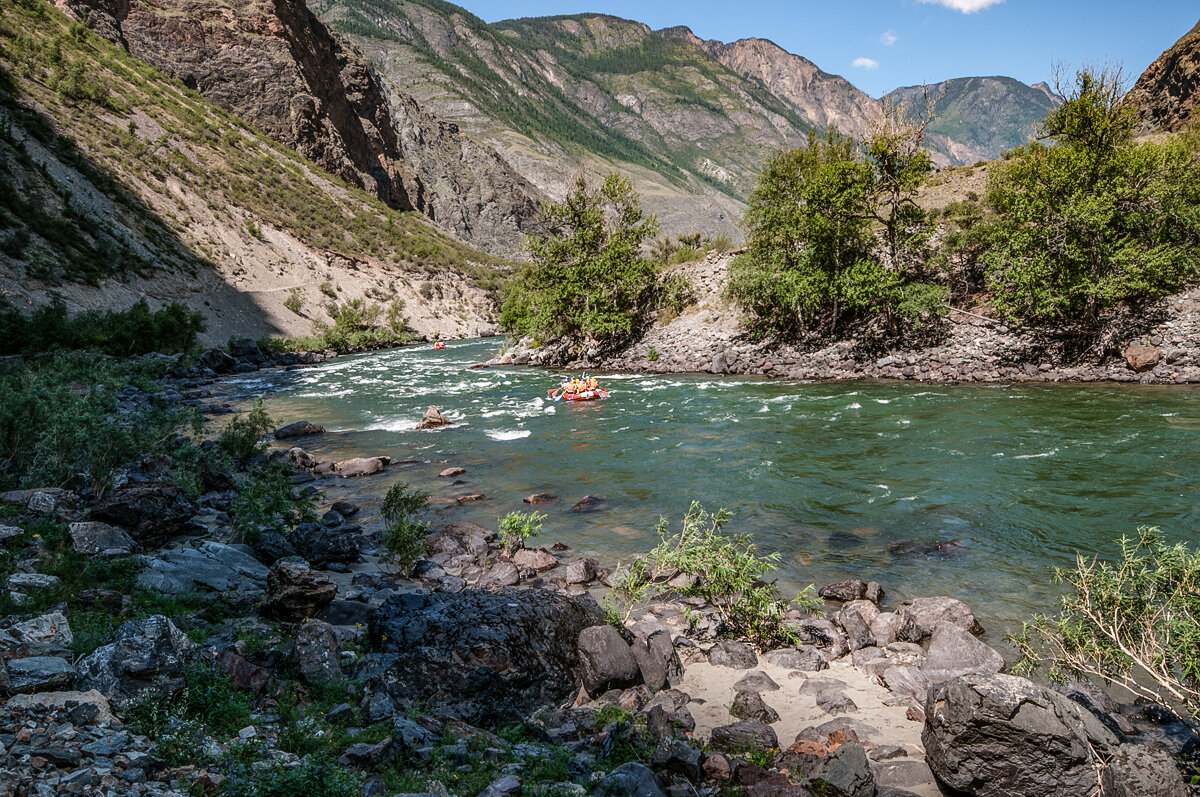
{"points": [[1094, 218], [588, 280], [812, 253], [1134, 623]]}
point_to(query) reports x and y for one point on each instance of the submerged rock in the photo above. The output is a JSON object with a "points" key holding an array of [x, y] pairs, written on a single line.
{"points": [[298, 429]]}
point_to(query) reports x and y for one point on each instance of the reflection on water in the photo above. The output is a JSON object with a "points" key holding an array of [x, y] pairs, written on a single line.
{"points": [[971, 491]]}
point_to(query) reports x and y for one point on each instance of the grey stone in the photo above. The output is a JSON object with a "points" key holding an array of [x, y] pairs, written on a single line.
{"points": [[954, 651], [145, 653], [32, 582], [503, 786], [484, 657], [928, 613], [48, 634], [582, 571], [629, 780], [316, 653], [749, 705], [152, 513], [94, 537], [858, 633], [39, 674], [501, 574], [805, 657], [298, 429], [744, 736], [844, 773], [757, 681], [835, 702], [224, 569], [729, 653], [605, 660], [657, 660], [678, 758]]}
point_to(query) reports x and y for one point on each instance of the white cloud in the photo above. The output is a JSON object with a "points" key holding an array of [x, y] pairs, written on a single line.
{"points": [[965, 6], [888, 38], [864, 63]]}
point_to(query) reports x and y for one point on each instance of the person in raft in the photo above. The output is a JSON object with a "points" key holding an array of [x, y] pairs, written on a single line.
{"points": [[584, 389]]}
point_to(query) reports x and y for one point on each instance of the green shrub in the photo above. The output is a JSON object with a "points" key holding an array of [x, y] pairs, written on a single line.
{"points": [[517, 527], [294, 301], [405, 535], [266, 502], [242, 438], [138, 330], [315, 776], [1134, 623], [729, 575], [651, 354]]}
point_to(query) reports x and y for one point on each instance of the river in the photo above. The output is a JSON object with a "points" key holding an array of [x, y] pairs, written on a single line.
{"points": [[843, 480]]}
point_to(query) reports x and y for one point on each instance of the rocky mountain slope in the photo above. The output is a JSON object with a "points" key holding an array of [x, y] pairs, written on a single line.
{"points": [[979, 118], [1168, 91], [120, 182], [276, 66]]}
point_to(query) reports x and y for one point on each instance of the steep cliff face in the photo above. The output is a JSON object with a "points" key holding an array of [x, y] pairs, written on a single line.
{"points": [[1167, 93], [824, 100], [277, 66]]}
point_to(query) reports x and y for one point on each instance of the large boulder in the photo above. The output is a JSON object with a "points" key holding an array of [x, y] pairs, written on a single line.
{"points": [[605, 660], [1142, 358], [485, 657], [154, 513], [94, 537], [999, 735], [746, 736], [226, 570], [246, 350], [323, 545], [144, 653], [295, 592], [39, 674], [316, 653], [46, 635], [361, 466], [845, 773], [217, 361], [298, 429], [954, 651], [928, 613], [657, 660], [629, 780], [432, 419]]}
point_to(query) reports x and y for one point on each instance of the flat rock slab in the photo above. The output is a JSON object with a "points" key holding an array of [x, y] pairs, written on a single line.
{"points": [[93, 537], [361, 466], [39, 674], [451, 472], [212, 567]]}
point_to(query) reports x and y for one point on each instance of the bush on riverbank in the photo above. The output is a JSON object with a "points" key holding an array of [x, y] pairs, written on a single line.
{"points": [[138, 330], [726, 570], [1134, 623], [60, 420], [358, 325], [588, 280], [405, 535]]}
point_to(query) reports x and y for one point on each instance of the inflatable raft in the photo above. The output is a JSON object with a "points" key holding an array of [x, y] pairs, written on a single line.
{"points": [[585, 395]]}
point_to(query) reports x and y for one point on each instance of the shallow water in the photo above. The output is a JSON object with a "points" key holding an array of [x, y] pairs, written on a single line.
{"points": [[844, 480]]}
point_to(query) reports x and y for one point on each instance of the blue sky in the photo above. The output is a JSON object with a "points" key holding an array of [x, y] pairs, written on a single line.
{"points": [[881, 44]]}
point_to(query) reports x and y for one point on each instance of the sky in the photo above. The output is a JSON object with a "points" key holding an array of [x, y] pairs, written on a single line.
{"points": [[881, 44]]}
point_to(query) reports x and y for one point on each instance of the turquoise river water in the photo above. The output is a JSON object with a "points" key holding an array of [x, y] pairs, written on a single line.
{"points": [[844, 480]]}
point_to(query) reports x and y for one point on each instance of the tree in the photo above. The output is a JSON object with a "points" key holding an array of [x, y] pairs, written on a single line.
{"points": [[588, 281], [813, 254], [1093, 218], [1134, 623]]}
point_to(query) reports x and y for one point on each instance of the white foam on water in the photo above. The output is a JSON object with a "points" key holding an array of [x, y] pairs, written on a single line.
{"points": [[395, 425], [1042, 455], [507, 434], [765, 408], [883, 401], [854, 406], [550, 409], [904, 422]]}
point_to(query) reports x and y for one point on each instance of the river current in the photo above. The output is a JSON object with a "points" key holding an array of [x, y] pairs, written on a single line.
{"points": [[972, 491]]}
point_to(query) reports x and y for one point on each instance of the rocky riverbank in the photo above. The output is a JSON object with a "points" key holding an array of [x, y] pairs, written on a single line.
{"points": [[1160, 346], [197, 659]]}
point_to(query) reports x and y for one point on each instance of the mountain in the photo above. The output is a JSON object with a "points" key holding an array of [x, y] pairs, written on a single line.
{"points": [[1167, 93], [978, 118], [276, 66], [120, 182]]}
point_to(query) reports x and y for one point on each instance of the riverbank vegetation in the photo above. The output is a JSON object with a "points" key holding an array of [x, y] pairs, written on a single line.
{"points": [[589, 282], [138, 330], [1071, 226]]}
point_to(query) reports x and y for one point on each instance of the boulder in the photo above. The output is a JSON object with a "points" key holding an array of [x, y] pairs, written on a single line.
{"points": [[538, 499], [48, 702], [143, 654], [993, 735], [301, 458], [432, 419], [534, 559], [316, 653], [39, 674], [605, 660], [589, 503], [361, 466], [324, 545], [49, 634], [484, 657], [845, 591], [889, 627], [501, 574], [805, 657], [928, 613], [295, 592], [94, 537], [729, 653], [245, 676], [1142, 358], [743, 737], [757, 681], [298, 429], [582, 571], [153, 513], [246, 350], [452, 472], [677, 757], [858, 633], [844, 773], [629, 780], [32, 582], [10, 532], [954, 651], [226, 570], [216, 361], [345, 508], [657, 660], [868, 610], [750, 705]]}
